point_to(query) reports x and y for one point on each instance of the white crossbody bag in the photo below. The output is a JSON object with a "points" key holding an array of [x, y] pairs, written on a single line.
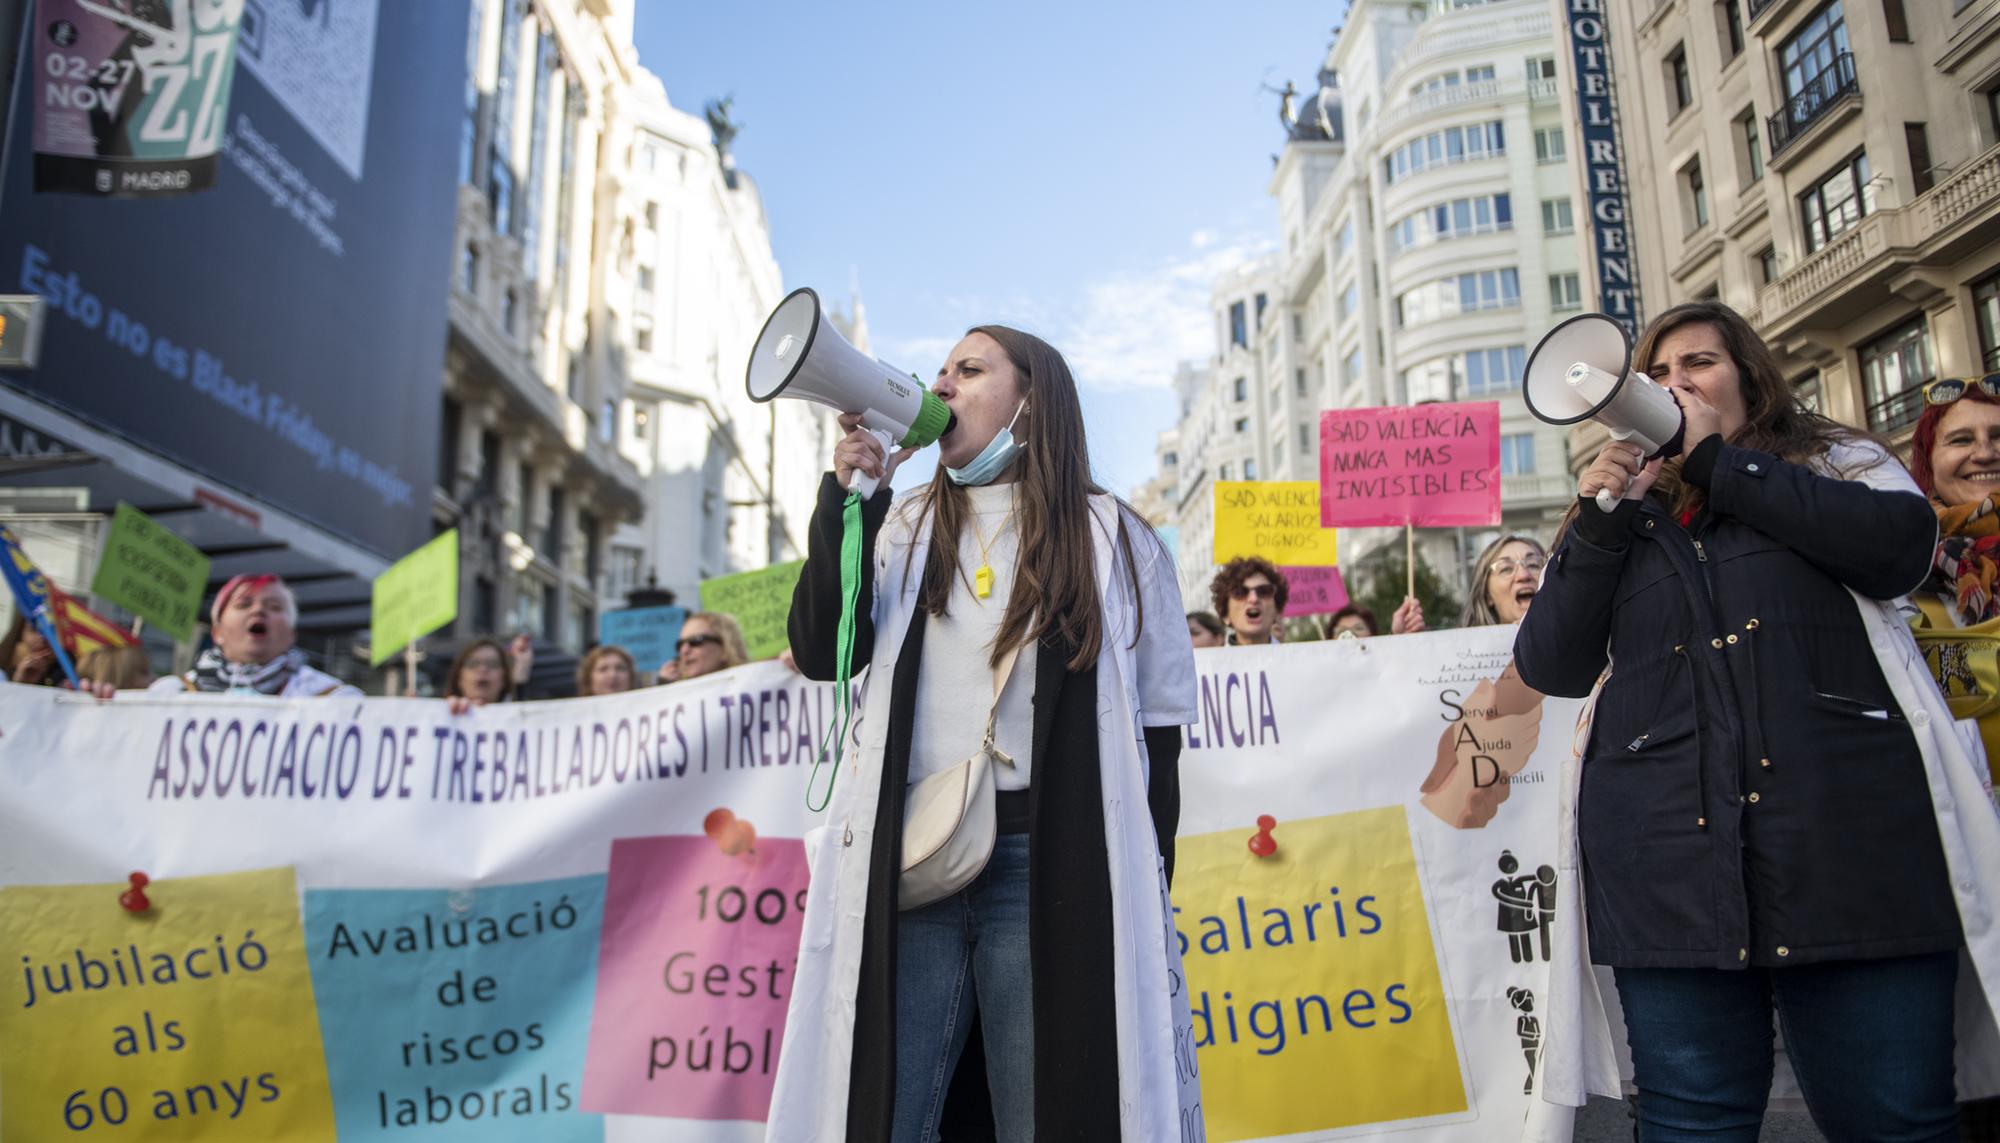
{"points": [[948, 818]]}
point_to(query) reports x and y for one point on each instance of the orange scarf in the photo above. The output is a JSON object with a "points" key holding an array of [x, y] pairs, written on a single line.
{"points": [[1968, 558]]}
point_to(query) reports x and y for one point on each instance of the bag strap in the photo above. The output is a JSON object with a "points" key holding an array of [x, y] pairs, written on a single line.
{"points": [[1003, 671]]}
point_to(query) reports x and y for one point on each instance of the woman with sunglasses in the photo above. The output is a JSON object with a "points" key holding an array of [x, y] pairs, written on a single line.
{"points": [[1249, 593], [1772, 808], [709, 642], [1010, 608]]}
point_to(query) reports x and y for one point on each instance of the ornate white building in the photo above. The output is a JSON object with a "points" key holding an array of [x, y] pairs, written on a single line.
{"points": [[1427, 240]]}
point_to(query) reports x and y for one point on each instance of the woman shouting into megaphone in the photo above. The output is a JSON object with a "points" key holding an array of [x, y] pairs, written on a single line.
{"points": [[995, 854]]}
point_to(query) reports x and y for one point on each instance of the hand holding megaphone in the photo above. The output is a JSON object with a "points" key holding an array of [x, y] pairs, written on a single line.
{"points": [[863, 460], [1620, 472]]}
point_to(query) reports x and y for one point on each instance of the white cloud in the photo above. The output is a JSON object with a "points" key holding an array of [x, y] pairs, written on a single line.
{"points": [[1202, 239], [1132, 328]]}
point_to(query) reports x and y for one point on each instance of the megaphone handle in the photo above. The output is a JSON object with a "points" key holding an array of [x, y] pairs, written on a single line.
{"points": [[862, 482], [1606, 500]]}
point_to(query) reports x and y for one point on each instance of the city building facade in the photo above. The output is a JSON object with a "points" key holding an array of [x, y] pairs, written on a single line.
{"points": [[1829, 168], [1427, 239]]}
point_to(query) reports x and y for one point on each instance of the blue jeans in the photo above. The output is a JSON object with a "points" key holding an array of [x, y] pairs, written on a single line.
{"points": [[1870, 1041], [978, 936]]}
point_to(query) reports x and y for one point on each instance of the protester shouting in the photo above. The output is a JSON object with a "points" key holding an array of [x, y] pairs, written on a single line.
{"points": [[1010, 572], [1204, 629], [253, 623], [710, 641], [1250, 594], [1773, 809], [1504, 581], [605, 669]]}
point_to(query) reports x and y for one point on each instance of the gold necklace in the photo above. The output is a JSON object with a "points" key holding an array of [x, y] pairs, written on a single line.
{"points": [[982, 577]]}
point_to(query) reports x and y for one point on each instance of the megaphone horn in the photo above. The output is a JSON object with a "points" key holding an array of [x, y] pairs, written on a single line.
{"points": [[1582, 371], [800, 354]]}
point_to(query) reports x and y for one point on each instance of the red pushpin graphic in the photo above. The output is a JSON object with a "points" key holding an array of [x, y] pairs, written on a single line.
{"points": [[1262, 843], [731, 834], [134, 900]]}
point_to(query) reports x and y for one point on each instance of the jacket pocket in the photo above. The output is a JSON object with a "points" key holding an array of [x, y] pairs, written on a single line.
{"points": [[1857, 708]]}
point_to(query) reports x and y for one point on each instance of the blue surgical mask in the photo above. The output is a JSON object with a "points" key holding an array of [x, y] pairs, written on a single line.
{"points": [[994, 458]]}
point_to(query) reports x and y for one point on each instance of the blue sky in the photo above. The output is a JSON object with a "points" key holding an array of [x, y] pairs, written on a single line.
{"points": [[1081, 170]]}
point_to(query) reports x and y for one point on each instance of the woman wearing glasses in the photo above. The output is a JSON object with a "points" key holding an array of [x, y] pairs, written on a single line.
{"points": [[1009, 593], [1772, 808], [710, 641], [1504, 581], [1249, 593]]}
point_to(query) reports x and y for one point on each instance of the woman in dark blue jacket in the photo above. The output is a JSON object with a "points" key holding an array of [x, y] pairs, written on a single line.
{"points": [[1755, 822]]}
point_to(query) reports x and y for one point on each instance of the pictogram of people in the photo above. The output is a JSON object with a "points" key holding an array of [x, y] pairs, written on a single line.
{"points": [[1529, 1029], [1527, 906]]}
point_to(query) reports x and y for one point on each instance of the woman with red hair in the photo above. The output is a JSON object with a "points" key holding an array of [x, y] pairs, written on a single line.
{"points": [[1955, 457]]}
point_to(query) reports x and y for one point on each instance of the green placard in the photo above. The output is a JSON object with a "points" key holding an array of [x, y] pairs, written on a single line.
{"points": [[759, 601], [416, 596], [151, 572]]}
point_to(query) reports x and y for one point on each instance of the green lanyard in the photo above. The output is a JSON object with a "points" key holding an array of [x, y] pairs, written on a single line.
{"points": [[850, 598]]}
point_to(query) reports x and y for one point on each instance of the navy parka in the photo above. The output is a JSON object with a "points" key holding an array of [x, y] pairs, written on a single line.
{"points": [[1751, 793]]}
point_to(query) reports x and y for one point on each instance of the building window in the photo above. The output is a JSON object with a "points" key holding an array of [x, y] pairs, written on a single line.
{"points": [[1986, 313], [1922, 176], [1344, 241], [548, 66], [1242, 424], [607, 423], [1549, 145], [1557, 217], [1817, 70], [642, 422], [468, 139], [1298, 326], [1226, 472], [1749, 148], [1239, 326], [1729, 13], [1767, 265], [642, 337], [1541, 68], [652, 216], [1565, 292], [1694, 197], [1517, 454], [1993, 109], [1897, 21], [645, 280], [552, 537], [1350, 368], [1459, 293], [468, 269], [1242, 389], [1494, 370], [1837, 203], [449, 426], [1805, 390], [510, 311], [1893, 368], [1451, 145], [523, 492], [1250, 468], [1305, 440], [1262, 301], [1299, 382], [1350, 301], [1680, 85], [1481, 74]]}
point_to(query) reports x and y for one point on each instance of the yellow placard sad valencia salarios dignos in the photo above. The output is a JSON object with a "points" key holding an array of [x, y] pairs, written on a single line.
{"points": [[1275, 519]]}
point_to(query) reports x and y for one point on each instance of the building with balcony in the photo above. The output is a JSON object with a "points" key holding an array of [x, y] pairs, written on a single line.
{"points": [[1831, 169], [1427, 240], [529, 465]]}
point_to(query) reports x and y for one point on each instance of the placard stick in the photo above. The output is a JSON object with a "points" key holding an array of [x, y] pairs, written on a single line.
{"points": [[1410, 559], [410, 669], [138, 625]]}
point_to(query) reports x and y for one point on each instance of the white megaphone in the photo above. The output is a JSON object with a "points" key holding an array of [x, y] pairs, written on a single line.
{"points": [[800, 354], [1582, 371]]}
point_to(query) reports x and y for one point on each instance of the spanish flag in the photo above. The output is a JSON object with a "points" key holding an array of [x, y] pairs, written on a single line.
{"points": [[83, 630]]}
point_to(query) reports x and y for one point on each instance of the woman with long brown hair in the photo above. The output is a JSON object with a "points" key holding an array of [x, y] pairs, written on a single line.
{"points": [[1014, 595], [1772, 810]]}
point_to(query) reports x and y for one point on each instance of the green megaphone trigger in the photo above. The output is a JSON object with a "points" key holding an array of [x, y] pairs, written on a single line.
{"points": [[933, 417]]}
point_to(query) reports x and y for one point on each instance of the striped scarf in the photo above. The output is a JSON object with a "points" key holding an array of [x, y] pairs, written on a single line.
{"points": [[215, 675], [1968, 559]]}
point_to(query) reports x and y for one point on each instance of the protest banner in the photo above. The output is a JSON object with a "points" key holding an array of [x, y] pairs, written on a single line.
{"points": [[115, 119], [1313, 591], [416, 596], [580, 919], [151, 572], [759, 600], [1276, 519], [1427, 466], [648, 633]]}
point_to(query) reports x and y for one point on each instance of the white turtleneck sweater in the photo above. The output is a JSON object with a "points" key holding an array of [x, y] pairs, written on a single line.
{"points": [[955, 679]]}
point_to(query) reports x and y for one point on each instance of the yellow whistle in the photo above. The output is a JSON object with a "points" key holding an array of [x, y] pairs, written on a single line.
{"points": [[982, 581]]}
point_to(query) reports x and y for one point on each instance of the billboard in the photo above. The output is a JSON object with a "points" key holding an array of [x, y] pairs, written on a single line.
{"points": [[282, 333]]}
